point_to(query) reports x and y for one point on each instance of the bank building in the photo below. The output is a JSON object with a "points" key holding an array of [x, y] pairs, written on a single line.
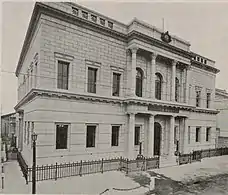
{"points": [[92, 87]]}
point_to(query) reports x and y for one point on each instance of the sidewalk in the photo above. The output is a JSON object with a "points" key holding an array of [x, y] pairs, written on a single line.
{"points": [[14, 182], [87, 184]]}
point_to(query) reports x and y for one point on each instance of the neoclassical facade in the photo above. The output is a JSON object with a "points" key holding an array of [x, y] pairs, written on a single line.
{"points": [[92, 87]]}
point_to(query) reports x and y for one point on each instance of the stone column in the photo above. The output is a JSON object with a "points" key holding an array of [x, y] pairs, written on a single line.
{"points": [[131, 135], [185, 135], [171, 136], [187, 76], [152, 76], [133, 70], [150, 146], [174, 63]]}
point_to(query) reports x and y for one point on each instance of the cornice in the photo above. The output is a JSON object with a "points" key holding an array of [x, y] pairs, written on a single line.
{"points": [[160, 44], [95, 98], [204, 67]]}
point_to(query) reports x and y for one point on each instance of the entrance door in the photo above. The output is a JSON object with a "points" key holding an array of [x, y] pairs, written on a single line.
{"points": [[157, 138]]}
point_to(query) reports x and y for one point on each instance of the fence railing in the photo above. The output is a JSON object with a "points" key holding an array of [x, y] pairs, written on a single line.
{"points": [[55, 171], [23, 166], [199, 154]]}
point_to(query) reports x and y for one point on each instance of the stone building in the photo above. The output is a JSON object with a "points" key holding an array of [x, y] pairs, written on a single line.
{"points": [[92, 87], [221, 104]]}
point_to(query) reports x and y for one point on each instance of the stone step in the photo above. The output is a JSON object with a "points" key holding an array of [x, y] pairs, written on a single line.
{"points": [[168, 161]]}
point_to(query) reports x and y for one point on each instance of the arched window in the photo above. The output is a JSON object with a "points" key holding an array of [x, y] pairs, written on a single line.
{"points": [[158, 86], [139, 82], [177, 89]]}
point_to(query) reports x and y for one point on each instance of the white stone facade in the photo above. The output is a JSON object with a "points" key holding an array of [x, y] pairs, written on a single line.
{"points": [[55, 35]]}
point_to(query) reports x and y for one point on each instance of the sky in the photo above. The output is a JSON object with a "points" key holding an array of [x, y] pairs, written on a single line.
{"points": [[203, 24]]}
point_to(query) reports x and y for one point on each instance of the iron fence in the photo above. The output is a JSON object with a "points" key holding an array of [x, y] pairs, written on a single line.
{"points": [[55, 171], [200, 154], [23, 166], [47, 172]]}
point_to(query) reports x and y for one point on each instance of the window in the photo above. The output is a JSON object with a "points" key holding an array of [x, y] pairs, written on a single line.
{"points": [[63, 71], [208, 99], [198, 93], [25, 132], [158, 86], [205, 61], [61, 136], [110, 24], [102, 21], [28, 136], [84, 14], [189, 134], [90, 136], [116, 84], [92, 80], [137, 135], [197, 134], [139, 81], [94, 18], [208, 133], [75, 11], [115, 135], [177, 89]]}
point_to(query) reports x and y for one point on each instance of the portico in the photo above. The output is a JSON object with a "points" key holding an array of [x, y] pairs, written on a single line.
{"points": [[162, 132]]}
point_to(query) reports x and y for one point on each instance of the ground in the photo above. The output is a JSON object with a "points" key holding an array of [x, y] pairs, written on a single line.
{"points": [[209, 177]]}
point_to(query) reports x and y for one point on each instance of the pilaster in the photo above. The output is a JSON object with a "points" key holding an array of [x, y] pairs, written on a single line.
{"points": [[174, 63]]}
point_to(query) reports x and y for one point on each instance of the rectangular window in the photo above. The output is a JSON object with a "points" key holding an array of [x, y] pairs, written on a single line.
{"points": [[90, 136], [115, 135], [63, 71], [197, 134], [208, 133], [28, 133], [189, 134], [198, 93], [25, 132], [137, 135], [92, 80], [208, 99], [61, 136], [116, 84]]}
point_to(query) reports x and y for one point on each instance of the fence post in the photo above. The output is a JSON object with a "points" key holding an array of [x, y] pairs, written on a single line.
{"points": [[120, 165], [80, 170], [56, 171], [127, 167], [102, 169], [209, 155]]}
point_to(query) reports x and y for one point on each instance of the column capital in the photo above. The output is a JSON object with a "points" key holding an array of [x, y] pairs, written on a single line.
{"points": [[134, 49], [153, 55], [174, 62]]}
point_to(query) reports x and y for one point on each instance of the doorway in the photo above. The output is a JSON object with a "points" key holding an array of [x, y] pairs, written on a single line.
{"points": [[157, 138]]}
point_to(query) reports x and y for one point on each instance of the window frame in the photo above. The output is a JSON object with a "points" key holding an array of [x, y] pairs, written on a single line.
{"points": [[139, 92], [208, 134], [118, 135], [96, 137], [208, 100], [68, 135], [177, 89], [139, 135], [95, 65], [66, 58], [68, 67], [198, 99], [198, 135], [158, 75], [117, 70]]}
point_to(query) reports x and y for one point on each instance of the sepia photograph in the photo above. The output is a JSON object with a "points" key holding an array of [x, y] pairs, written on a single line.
{"points": [[114, 97]]}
